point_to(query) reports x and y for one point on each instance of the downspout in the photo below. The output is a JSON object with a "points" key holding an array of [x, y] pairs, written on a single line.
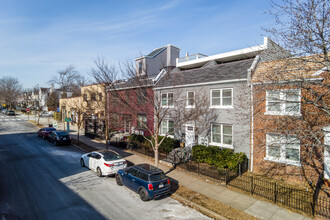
{"points": [[250, 71]]}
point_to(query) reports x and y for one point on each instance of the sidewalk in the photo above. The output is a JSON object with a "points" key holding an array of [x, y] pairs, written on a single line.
{"points": [[250, 205]]}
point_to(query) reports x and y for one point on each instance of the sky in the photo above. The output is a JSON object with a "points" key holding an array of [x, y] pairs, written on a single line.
{"points": [[38, 38]]}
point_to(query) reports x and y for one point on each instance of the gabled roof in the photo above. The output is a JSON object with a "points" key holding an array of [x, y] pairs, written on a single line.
{"points": [[134, 82], [156, 51], [222, 72]]}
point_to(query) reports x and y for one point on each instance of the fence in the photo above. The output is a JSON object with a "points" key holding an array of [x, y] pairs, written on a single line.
{"points": [[297, 199], [278, 193]]}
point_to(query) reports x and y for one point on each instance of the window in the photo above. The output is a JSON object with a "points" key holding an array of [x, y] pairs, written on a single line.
{"points": [[85, 97], [222, 135], [142, 121], [93, 97], [142, 96], [166, 127], [100, 96], [140, 68], [221, 97], [167, 99], [283, 102], [190, 99], [283, 148]]}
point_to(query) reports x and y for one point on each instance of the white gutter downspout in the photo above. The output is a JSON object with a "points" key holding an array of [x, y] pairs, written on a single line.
{"points": [[250, 71]]}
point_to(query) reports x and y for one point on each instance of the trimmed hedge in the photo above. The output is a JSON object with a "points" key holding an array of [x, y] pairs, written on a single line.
{"points": [[219, 157], [167, 145]]}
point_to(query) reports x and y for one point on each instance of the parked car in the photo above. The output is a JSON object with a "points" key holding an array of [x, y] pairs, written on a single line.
{"points": [[45, 114], [44, 132], [105, 162], [59, 137], [11, 112], [149, 181]]}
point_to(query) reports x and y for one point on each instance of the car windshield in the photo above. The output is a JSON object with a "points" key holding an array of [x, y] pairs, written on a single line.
{"points": [[62, 134], [157, 176], [108, 156], [50, 129]]}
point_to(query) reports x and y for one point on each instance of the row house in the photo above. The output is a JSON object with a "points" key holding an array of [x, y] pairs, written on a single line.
{"points": [[91, 103], [131, 102], [290, 120], [198, 99]]}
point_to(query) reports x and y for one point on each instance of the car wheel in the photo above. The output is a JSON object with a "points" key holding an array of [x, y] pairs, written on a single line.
{"points": [[118, 180], [55, 143], [82, 163], [144, 195], [99, 172]]}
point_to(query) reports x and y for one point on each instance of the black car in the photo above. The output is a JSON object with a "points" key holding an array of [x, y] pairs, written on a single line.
{"points": [[59, 137], [149, 181], [11, 112]]}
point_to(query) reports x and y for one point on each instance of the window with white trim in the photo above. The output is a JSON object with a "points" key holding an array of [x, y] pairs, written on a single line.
{"points": [[221, 135], [142, 121], [283, 148], [167, 99], [166, 127], [222, 97], [283, 102], [190, 99]]}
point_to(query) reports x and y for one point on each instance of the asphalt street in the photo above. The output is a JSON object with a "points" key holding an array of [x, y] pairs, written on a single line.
{"points": [[41, 181]]}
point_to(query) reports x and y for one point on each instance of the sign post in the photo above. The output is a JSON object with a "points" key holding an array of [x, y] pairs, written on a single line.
{"points": [[28, 111], [68, 120]]}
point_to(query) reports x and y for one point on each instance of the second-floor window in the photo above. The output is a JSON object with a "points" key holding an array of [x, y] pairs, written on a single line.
{"points": [[283, 148], [167, 99], [93, 97], [222, 135], [283, 102], [190, 99], [221, 98], [142, 121], [166, 127]]}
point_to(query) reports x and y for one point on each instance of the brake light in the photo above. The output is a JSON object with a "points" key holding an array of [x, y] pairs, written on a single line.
{"points": [[168, 181], [150, 186], [109, 164]]}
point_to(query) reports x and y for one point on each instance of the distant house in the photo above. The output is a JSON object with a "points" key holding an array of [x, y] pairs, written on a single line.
{"points": [[291, 120]]}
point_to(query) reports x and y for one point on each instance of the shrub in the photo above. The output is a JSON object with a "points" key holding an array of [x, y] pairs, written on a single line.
{"points": [[219, 157], [57, 116]]}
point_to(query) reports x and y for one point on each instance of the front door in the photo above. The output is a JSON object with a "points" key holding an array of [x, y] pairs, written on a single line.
{"points": [[327, 156], [190, 135], [127, 124]]}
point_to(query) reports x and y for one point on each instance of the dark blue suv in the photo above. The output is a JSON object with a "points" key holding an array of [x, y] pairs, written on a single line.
{"points": [[149, 181]]}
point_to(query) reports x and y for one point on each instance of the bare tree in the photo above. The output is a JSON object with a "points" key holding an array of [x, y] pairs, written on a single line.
{"points": [[137, 98], [303, 28], [104, 75], [68, 80], [10, 89]]}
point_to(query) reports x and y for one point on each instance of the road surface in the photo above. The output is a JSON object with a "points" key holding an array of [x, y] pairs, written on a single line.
{"points": [[41, 181]]}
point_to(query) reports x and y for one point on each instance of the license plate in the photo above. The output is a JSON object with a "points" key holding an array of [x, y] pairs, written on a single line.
{"points": [[64, 139], [161, 185]]}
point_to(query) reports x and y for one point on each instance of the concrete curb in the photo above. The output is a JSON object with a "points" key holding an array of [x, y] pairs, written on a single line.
{"points": [[200, 208]]}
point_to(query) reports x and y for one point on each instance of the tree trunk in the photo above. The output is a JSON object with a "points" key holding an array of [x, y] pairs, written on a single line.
{"points": [[156, 155]]}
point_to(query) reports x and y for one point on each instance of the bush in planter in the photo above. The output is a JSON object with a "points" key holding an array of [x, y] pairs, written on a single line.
{"points": [[221, 158]]}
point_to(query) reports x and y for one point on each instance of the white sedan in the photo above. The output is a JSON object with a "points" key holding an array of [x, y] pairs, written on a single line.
{"points": [[105, 162]]}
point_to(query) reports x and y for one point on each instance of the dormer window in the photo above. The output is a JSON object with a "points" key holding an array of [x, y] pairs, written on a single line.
{"points": [[140, 67]]}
